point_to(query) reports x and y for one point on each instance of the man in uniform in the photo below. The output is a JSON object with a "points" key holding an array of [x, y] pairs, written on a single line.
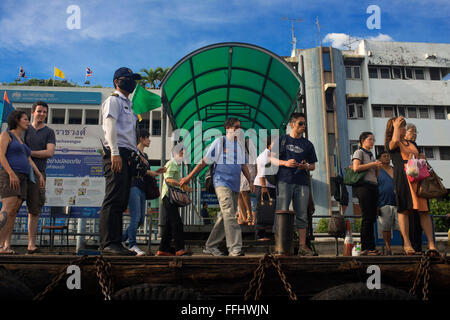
{"points": [[119, 127], [41, 140]]}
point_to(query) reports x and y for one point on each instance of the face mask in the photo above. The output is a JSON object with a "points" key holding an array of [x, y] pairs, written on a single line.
{"points": [[127, 85]]}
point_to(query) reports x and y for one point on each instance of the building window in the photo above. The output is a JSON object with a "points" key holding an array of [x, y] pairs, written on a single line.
{"points": [[377, 112], [401, 111], [412, 112], [378, 150], [156, 123], [355, 111], [326, 61], [427, 151], [384, 73], [423, 112], [75, 116], [445, 153], [388, 112], [373, 73], [419, 74], [91, 116], [353, 147], [409, 73], [435, 74], [58, 116], [352, 72], [439, 112], [348, 72], [396, 73]]}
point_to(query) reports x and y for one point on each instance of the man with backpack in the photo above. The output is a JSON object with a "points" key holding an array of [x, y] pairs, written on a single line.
{"points": [[295, 155], [229, 158]]}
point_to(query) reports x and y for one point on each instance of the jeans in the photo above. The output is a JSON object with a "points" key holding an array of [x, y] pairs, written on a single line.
{"points": [[173, 227], [368, 201], [226, 225], [115, 202], [299, 195], [136, 204]]}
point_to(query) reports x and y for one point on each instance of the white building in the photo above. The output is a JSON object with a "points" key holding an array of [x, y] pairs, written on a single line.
{"points": [[387, 79]]}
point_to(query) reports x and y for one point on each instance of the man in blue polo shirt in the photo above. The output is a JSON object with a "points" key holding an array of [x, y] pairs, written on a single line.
{"points": [[295, 156], [229, 157]]}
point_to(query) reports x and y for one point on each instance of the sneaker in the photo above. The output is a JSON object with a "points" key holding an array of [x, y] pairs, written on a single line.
{"points": [[138, 251], [305, 251], [116, 250], [236, 254], [164, 254], [213, 251]]}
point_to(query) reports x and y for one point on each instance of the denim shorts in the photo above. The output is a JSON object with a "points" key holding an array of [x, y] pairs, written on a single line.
{"points": [[299, 195]]}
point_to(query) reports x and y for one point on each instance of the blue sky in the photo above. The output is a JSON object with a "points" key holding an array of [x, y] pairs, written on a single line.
{"points": [[151, 33]]}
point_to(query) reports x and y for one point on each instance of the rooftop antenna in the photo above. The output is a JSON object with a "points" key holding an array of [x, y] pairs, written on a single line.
{"points": [[294, 39], [350, 40], [318, 27]]}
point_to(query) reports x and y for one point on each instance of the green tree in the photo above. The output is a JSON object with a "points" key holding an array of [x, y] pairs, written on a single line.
{"points": [[440, 208], [152, 78]]}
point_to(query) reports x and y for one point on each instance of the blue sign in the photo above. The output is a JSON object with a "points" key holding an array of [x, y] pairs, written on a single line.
{"points": [[69, 97]]}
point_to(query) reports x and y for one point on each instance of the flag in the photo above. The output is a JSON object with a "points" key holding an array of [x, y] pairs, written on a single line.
{"points": [[58, 73], [22, 73], [6, 107], [88, 72], [144, 101]]}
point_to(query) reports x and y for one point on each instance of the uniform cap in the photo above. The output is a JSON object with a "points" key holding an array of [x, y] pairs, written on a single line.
{"points": [[126, 72]]}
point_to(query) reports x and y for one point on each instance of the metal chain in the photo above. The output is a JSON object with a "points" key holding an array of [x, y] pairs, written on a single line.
{"points": [[258, 277], [56, 280], [277, 264], [423, 273], [104, 277]]}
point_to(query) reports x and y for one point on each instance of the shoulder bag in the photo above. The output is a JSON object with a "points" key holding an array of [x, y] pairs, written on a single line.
{"points": [[353, 178], [151, 188], [431, 187], [178, 197], [209, 177]]}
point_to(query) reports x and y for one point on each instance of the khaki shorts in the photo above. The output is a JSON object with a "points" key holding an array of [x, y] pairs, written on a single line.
{"points": [[5, 189], [35, 197]]}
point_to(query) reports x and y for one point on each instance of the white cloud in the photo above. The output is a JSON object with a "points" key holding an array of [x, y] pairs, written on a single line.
{"points": [[346, 42]]}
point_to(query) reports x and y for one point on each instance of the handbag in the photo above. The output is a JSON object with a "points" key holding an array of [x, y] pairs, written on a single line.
{"points": [[151, 188], [265, 211], [336, 225], [352, 178], [178, 197], [431, 187]]}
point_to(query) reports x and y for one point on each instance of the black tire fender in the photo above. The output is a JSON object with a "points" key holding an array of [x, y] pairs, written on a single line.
{"points": [[148, 291], [12, 288], [359, 291]]}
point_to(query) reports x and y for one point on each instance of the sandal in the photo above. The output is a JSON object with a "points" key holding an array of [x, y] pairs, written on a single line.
{"points": [[370, 253], [433, 253], [7, 251], [409, 251]]}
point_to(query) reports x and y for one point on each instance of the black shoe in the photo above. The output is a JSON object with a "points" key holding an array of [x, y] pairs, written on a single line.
{"points": [[116, 250]]}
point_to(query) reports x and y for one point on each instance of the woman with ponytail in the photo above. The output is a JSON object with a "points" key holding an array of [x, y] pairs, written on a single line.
{"points": [[408, 201], [367, 191]]}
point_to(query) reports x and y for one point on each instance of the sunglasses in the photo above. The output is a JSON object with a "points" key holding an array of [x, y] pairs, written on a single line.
{"points": [[301, 123]]}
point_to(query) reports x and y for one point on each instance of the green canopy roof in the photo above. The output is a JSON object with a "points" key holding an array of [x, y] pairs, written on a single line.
{"points": [[230, 80]]}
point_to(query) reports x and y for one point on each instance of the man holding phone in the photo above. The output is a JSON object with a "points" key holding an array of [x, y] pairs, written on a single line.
{"points": [[295, 156]]}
